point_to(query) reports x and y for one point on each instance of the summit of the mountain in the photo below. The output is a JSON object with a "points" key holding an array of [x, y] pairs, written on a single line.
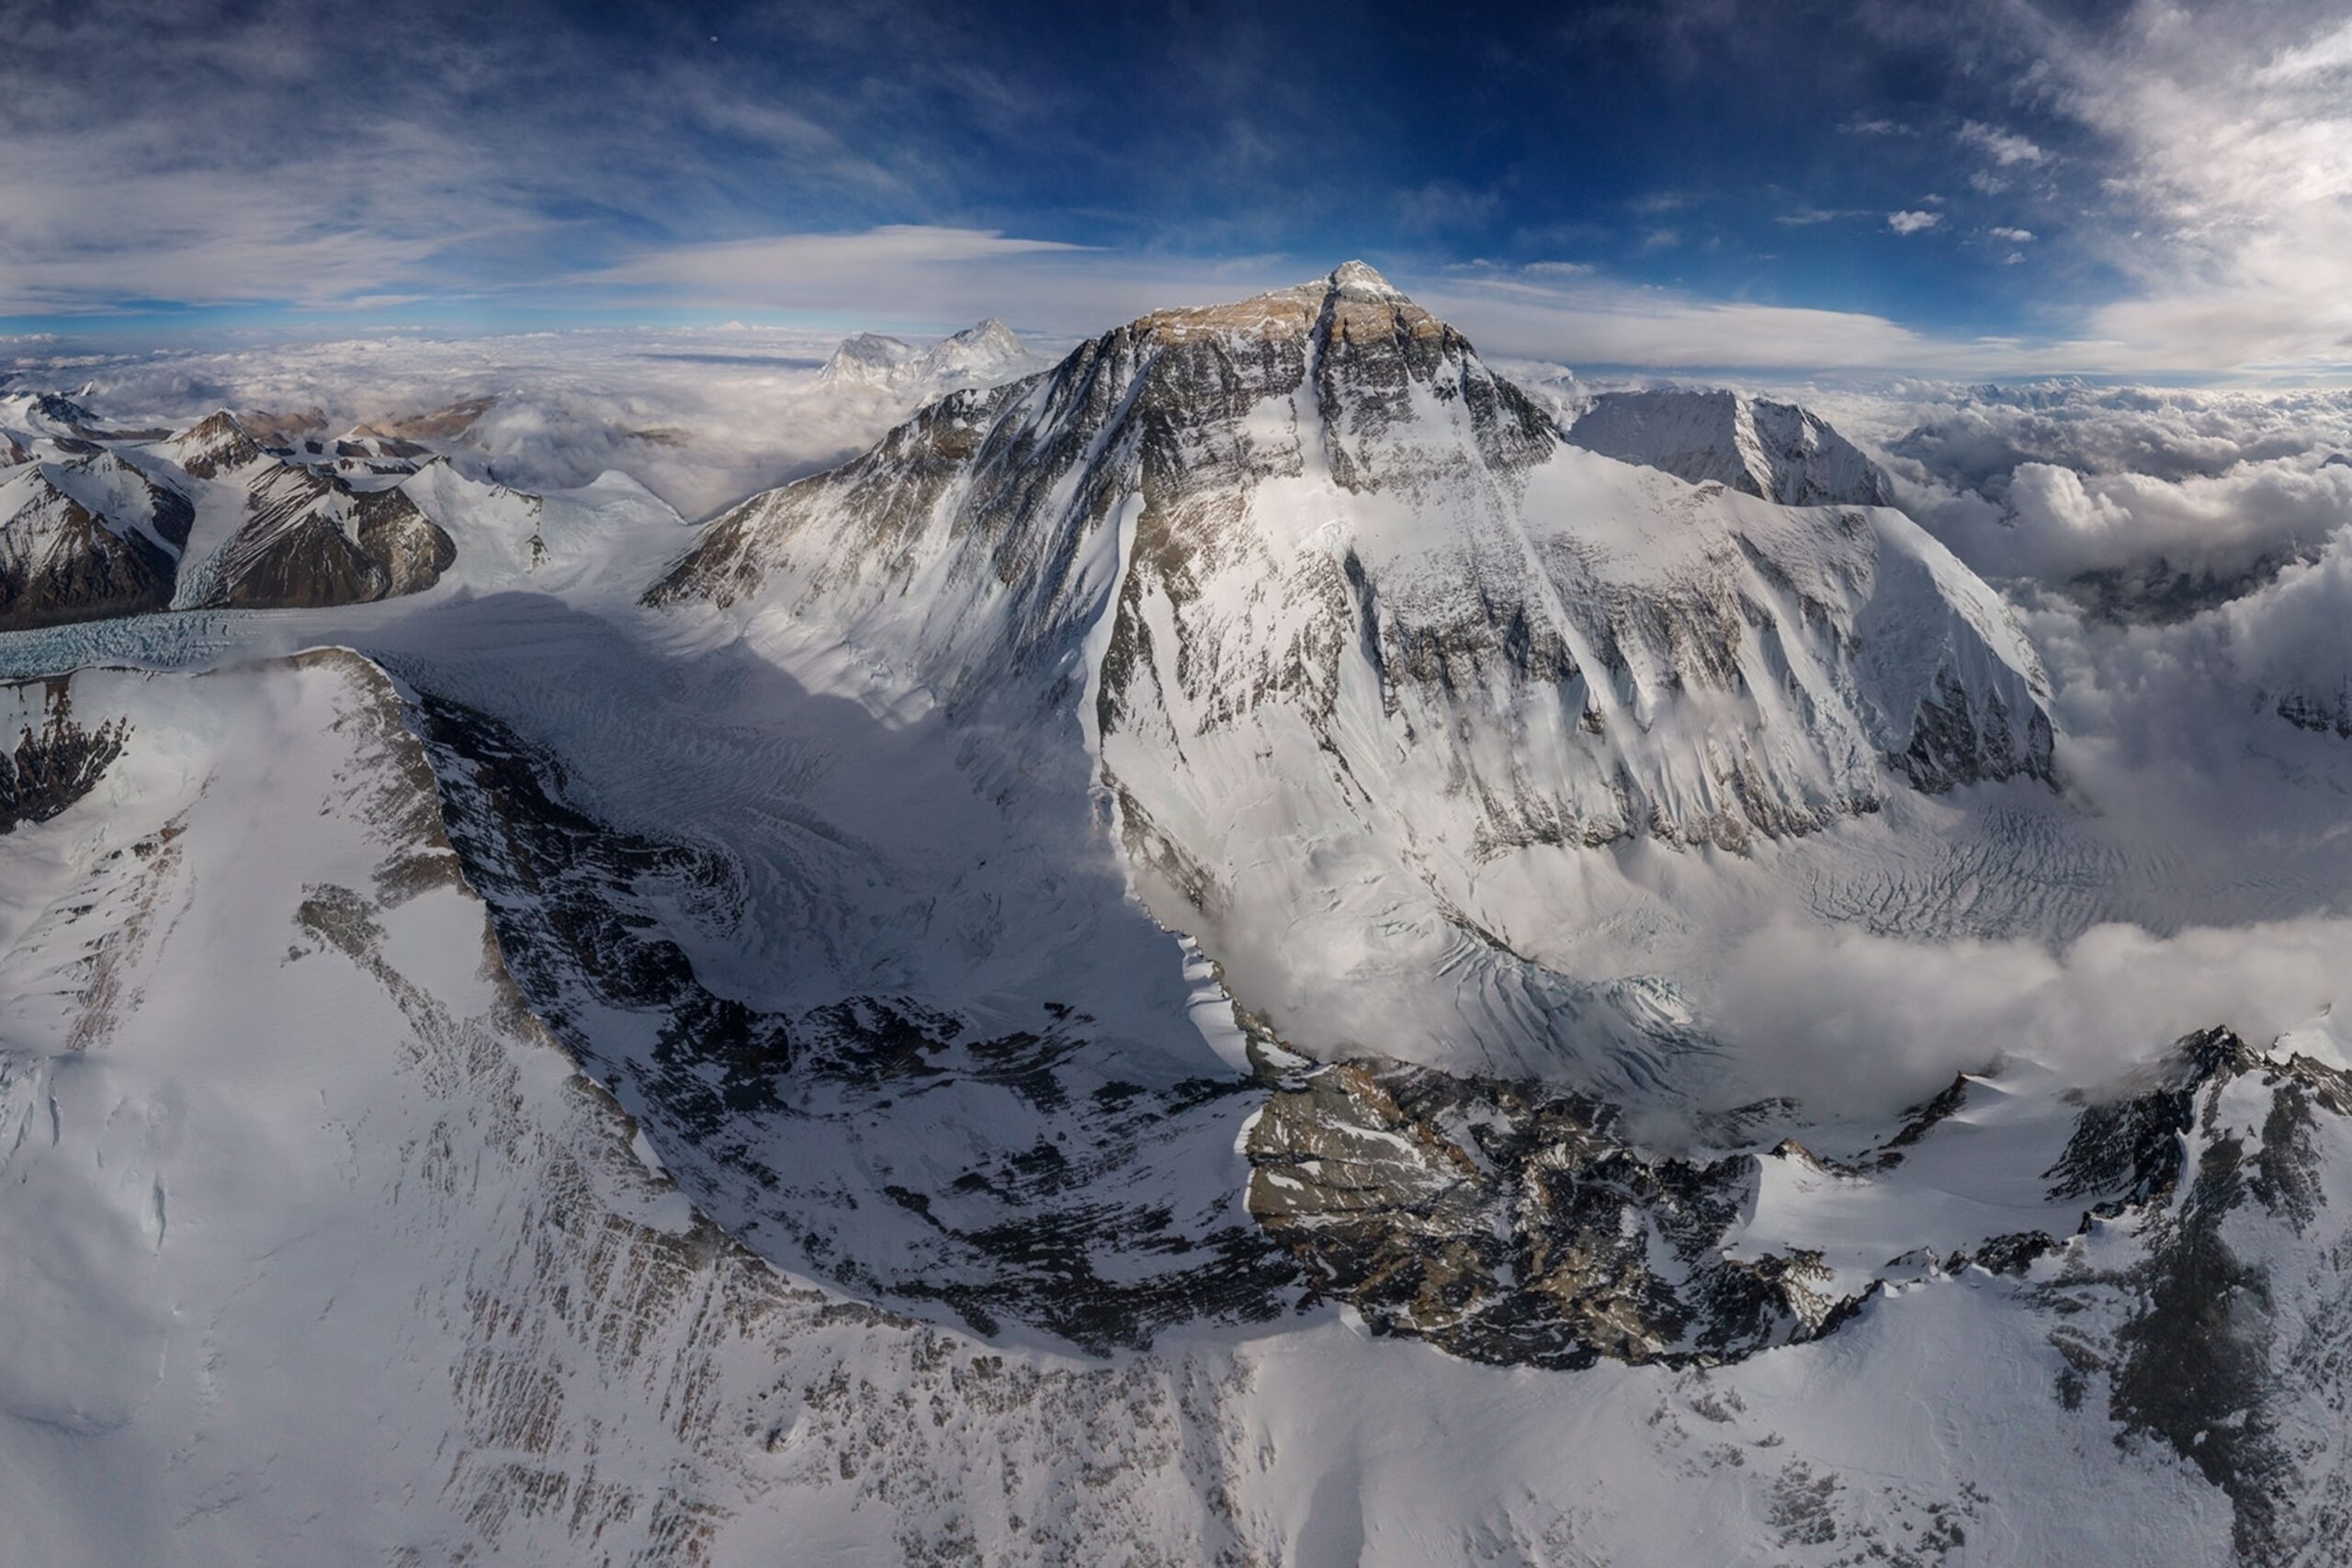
{"points": [[213, 444], [1359, 280]]}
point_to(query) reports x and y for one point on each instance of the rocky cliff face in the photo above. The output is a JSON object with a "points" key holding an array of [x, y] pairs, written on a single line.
{"points": [[1777, 451], [57, 760], [1001, 1175], [2326, 713], [1515, 1226]]}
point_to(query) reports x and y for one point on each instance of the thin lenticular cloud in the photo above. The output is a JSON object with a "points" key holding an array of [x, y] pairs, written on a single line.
{"points": [[810, 269]]}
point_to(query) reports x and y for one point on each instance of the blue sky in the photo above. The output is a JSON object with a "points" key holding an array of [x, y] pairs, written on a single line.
{"points": [[2003, 187]]}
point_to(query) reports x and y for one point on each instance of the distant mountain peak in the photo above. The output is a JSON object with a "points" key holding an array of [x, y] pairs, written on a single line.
{"points": [[985, 352], [1778, 451], [218, 442]]}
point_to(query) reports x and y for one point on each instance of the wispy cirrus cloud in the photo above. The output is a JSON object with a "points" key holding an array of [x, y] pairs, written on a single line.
{"points": [[812, 271]]}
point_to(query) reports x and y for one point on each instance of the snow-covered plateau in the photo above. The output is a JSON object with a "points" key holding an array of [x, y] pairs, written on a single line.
{"points": [[1250, 947]]}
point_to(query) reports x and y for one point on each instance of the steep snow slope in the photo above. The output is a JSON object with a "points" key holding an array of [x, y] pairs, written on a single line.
{"points": [[1354, 635], [1778, 451]]}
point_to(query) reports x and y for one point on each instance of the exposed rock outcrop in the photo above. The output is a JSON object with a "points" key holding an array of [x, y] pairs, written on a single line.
{"points": [[57, 764], [1512, 1224]]}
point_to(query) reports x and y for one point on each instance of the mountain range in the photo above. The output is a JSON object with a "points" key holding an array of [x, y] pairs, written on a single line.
{"points": [[1148, 970]]}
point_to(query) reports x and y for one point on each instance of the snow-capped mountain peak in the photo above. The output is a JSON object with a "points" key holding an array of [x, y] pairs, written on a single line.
{"points": [[1359, 281], [868, 359], [982, 355], [213, 444], [987, 351], [1302, 566]]}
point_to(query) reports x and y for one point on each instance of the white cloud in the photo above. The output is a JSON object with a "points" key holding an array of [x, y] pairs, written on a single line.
{"points": [[2005, 148], [2014, 236], [702, 416], [2235, 179], [1913, 222], [1856, 1022], [813, 270], [2179, 496], [2329, 54], [1516, 313]]}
